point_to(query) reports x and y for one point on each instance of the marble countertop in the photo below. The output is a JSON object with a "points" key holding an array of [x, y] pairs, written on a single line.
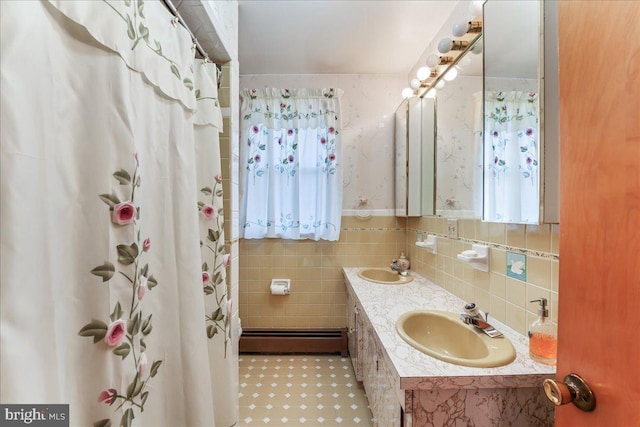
{"points": [[383, 304]]}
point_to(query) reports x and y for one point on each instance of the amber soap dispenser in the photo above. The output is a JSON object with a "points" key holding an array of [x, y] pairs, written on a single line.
{"points": [[543, 336]]}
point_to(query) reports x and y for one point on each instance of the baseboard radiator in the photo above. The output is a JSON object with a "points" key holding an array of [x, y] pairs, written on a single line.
{"points": [[316, 341]]}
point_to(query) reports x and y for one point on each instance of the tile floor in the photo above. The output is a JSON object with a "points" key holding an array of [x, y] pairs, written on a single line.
{"points": [[300, 390]]}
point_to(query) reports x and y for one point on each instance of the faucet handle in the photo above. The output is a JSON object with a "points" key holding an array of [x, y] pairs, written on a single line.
{"points": [[471, 309]]}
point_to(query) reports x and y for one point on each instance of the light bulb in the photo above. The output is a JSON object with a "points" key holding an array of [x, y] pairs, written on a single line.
{"points": [[423, 73], [477, 48], [440, 84], [460, 28], [451, 74], [475, 8], [464, 61], [433, 61], [414, 84], [431, 93], [445, 45], [407, 92]]}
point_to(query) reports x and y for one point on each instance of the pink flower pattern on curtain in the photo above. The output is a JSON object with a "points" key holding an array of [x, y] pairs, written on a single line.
{"points": [[291, 183], [511, 157], [128, 327]]}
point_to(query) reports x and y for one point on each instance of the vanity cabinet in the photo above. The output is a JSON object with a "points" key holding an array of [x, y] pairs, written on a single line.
{"points": [[372, 368], [354, 322], [386, 407], [412, 390], [379, 382]]}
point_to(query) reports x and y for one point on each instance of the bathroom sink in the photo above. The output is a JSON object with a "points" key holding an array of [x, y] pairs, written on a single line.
{"points": [[441, 334], [384, 275]]}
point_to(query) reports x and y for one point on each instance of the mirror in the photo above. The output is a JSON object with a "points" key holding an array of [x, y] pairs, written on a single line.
{"points": [[476, 175], [513, 97], [459, 140], [514, 63], [414, 157]]}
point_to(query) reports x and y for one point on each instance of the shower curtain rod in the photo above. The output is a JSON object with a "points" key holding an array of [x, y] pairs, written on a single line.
{"points": [[182, 22]]}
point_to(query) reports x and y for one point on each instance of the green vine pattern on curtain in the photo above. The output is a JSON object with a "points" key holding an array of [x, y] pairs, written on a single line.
{"points": [[511, 156], [215, 261], [125, 330], [291, 157], [519, 117], [138, 31]]}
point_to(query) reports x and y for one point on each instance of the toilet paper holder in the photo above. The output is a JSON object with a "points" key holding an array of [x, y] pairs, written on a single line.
{"points": [[280, 286]]}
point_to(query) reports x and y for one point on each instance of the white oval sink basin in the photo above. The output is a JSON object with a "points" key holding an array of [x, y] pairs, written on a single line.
{"points": [[384, 275], [441, 334]]}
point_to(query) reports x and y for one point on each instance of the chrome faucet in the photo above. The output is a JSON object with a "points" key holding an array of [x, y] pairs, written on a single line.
{"points": [[471, 310], [395, 266], [473, 316]]}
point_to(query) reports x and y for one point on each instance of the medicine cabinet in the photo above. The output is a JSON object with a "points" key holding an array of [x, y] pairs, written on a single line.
{"points": [[415, 157], [521, 147]]}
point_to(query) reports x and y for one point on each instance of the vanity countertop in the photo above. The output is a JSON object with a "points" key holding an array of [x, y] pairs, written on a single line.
{"points": [[383, 304]]}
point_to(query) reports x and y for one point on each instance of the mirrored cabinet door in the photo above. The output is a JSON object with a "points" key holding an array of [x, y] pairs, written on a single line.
{"points": [[519, 148], [459, 140], [414, 157]]}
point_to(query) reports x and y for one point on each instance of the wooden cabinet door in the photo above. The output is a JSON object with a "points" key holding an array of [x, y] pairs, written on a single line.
{"points": [[388, 405], [599, 321], [352, 335]]}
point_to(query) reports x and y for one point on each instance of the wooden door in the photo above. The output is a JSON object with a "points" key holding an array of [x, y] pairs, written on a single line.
{"points": [[599, 307]]}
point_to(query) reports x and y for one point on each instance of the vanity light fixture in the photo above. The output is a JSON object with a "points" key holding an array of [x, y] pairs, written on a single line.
{"points": [[446, 45], [440, 84], [477, 48], [414, 84], [475, 7], [434, 60], [407, 92], [423, 73], [451, 74], [463, 27], [464, 62]]}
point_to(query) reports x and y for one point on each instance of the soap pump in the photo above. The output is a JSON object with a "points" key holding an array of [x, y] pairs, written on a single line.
{"points": [[543, 336], [403, 261]]}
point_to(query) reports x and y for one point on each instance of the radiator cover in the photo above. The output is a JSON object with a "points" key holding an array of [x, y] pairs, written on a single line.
{"points": [[316, 341]]}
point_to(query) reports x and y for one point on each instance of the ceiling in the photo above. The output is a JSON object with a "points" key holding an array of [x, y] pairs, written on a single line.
{"points": [[336, 36]]}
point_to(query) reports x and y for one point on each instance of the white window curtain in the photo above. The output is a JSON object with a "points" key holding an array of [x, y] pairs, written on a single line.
{"points": [[511, 157], [103, 303], [291, 163]]}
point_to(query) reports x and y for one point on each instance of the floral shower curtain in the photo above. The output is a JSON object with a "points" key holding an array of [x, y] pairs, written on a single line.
{"points": [[102, 299], [511, 154], [291, 185], [218, 308]]}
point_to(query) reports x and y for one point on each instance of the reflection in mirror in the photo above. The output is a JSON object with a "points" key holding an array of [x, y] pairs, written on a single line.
{"points": [[458, 139], [414, 157], [512, 137]]}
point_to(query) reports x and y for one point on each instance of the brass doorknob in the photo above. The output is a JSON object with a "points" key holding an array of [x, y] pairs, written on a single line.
{"points": [[573, 390]]}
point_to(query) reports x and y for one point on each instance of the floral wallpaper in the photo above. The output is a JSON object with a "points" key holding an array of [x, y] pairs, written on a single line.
{"points": [[455, 153]]}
